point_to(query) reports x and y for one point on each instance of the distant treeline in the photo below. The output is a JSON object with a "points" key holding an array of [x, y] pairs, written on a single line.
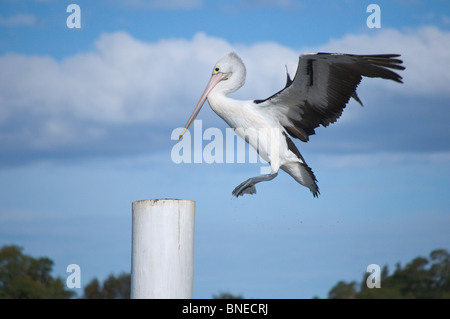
{"points": [[26, 277]]}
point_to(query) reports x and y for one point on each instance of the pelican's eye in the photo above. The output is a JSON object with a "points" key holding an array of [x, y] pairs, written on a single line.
{"points": [[216, 69]]}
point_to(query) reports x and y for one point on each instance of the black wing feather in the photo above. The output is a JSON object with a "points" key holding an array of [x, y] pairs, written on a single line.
{"points": [[323, 85]]}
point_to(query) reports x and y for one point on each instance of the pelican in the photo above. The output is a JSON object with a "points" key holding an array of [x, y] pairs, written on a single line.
{"points": [[316, 95]]}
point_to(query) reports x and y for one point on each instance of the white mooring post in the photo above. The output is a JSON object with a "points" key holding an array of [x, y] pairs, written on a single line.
{"points": [[162, 261]]}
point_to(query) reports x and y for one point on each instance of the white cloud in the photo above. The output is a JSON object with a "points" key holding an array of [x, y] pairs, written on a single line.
{"points": [[124, 81]]}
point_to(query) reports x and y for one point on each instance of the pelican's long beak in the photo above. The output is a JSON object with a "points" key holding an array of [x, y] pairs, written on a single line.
{"points": [[215, 78]]}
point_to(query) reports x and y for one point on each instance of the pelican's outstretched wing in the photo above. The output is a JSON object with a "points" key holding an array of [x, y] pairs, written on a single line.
{"points": [[322, 86]]}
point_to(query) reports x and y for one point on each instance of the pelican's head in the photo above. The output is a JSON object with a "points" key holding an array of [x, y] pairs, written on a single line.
{"points": [[232, 69], [228, 75]]}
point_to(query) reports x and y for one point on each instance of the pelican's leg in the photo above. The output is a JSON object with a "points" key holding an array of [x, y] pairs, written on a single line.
{"points": [[248, 187]]}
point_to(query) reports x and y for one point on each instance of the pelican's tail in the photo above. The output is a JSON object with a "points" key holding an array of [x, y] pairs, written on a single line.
{"points": [[299, 170], [303, 174]]}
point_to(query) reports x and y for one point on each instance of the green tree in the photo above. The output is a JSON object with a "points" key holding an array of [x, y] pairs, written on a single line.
{"points": [[119, 288], [25, 277], [112, 288], [343, 290], [421, 278]]}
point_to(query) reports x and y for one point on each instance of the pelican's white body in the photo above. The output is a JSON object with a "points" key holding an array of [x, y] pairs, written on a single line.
{"points": [[261, 130], [260, 127]]}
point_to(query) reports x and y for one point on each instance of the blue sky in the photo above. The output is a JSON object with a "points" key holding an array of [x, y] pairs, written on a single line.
{"points": [[86, 117]]}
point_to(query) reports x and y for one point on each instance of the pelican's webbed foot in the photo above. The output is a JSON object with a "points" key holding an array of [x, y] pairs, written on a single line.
{"points": [[248, 187], [244, 188]]}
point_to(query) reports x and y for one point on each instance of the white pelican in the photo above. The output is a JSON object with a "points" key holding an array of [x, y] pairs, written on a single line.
{"points": [[316, 95]]}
